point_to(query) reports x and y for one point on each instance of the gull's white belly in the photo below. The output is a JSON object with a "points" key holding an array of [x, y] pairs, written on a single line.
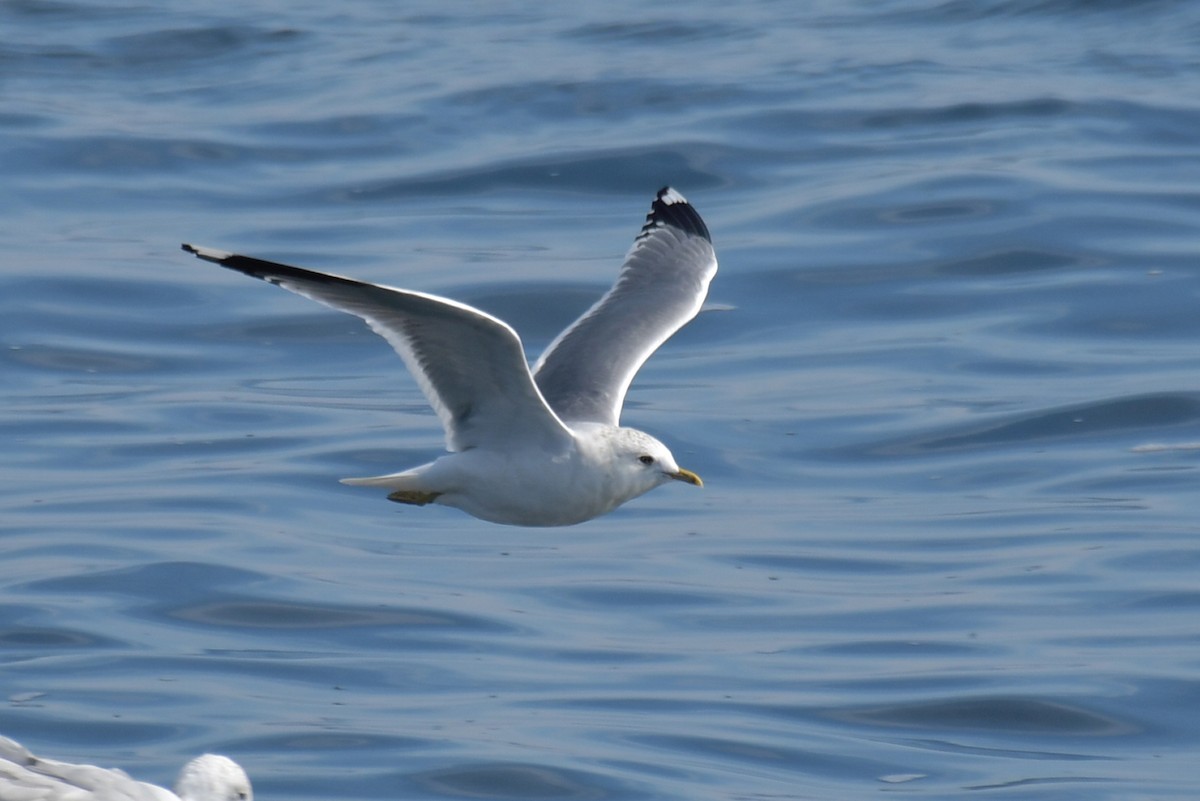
{"points": [[536, 487], [550, 492]]}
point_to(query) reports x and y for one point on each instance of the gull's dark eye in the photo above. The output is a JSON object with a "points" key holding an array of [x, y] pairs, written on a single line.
{"points": [[646, 459]]}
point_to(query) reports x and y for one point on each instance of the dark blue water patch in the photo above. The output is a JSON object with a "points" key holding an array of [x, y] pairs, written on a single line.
{"points": [[928, 203], [74, 733], [354, 744], [1160, 560], [202, 594], [1128, 313], [1168, 704], [1070, 11], [40, 11], [75, 423], [997, 751], [344, 137], [236, 425], [114, 297], [663, 32], [658, 705], [102, 47], [998, 714], [15, 121], [335, 673], [936, 617], [318, 781], [593, 657], [945, 117], [631, 595], [280, 615], [780, 127], [34, 549], [19, 642], [118, 324], [324, 330], [611, 172], [179, 580], [82, 360], [515, 780], [489, 780], [937, 211], [115, 681], [762, 753], [183, 48], [1015, 261], [1086, 421], [1151, 712], [358, 756], [120, 160], [1122, 487], [529, 102], [891, 649], [1164, 126], [1052, 781], [135, 515], [850, 565], [538, 310], [1165, 601], [336, 129]]}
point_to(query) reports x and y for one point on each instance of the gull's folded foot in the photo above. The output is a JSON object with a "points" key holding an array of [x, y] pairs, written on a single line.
{"points": [[414, 497]]}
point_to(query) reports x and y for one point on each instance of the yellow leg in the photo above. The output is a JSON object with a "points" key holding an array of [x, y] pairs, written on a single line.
{"points": [[415, 497]]}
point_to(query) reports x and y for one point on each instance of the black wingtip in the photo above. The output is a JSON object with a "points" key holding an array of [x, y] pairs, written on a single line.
{"points": [[270, 271], [208, 254], [672, 208]]}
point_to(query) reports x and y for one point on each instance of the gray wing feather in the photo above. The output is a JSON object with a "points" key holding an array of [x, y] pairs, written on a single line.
{"points": [[470, 365], [24, 777], [585, 373]]}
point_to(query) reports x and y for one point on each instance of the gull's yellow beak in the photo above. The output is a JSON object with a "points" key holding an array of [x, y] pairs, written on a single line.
{"points": [[688, 476]]}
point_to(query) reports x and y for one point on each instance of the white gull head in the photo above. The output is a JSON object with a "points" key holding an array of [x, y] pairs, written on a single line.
{"points": [[212, 777]]}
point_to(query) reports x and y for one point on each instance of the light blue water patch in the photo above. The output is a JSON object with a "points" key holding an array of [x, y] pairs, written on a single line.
{"points": [[943, 396]]}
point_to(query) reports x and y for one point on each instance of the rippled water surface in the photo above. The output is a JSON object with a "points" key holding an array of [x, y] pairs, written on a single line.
{"points": [[945, 398]]}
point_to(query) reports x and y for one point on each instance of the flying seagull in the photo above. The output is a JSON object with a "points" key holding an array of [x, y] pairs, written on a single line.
{"points": [[25, 777], [542, 447]]}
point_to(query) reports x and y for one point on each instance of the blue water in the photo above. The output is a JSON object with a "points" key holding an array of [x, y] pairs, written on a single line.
{"points": [[946, 398]]}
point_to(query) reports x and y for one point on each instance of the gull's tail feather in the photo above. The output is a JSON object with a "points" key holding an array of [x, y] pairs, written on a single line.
{"points": [[405, 487], [409, 479]]}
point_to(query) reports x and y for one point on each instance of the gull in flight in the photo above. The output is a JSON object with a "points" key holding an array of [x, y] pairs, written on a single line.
{"points": [[540, 447], [25, 777]]}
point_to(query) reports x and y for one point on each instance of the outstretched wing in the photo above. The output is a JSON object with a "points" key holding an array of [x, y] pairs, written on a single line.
{"points": [[470, 365], [586, 371]]}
